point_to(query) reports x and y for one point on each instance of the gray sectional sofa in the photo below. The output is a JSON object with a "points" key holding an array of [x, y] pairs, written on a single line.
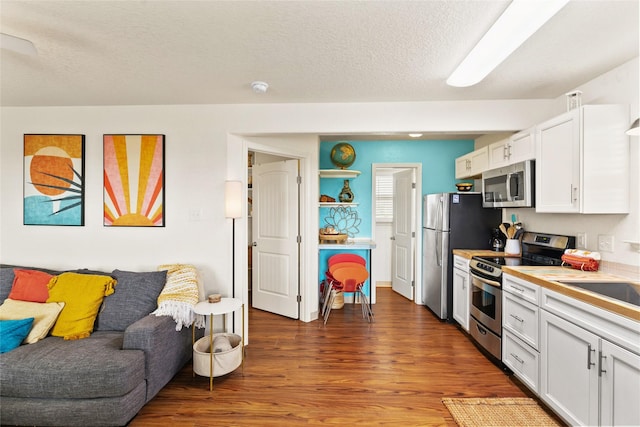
{"points": [[101, 380]]}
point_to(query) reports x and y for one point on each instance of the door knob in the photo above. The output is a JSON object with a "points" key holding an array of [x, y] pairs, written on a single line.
{"points": [[254, 244]]}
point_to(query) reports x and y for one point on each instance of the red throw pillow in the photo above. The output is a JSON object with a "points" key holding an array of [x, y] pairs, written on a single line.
{"points": [[30, 285]]}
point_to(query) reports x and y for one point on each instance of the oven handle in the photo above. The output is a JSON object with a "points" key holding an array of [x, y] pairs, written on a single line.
{"points": [[490, 282]]}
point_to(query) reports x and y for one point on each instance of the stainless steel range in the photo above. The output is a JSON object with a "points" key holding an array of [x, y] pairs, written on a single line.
{"points": [[485, 324]]}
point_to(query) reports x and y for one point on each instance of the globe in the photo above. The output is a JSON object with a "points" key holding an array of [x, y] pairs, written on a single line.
{"points": [[343, 155]]}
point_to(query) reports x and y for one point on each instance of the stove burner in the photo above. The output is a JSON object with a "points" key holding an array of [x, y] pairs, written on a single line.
{"points": [[537, 249]]}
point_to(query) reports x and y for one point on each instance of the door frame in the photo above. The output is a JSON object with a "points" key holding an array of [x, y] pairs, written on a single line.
{"points": [[417, 167], [238, 147]]}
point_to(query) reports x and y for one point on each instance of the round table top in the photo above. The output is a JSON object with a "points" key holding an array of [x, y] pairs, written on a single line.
{"points": [[226, 305]]}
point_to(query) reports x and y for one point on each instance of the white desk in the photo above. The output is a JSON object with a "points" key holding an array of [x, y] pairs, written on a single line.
{"points": [[224, 307]]}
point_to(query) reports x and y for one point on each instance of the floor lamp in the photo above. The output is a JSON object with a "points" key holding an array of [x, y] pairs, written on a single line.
{"points": [[233, 210]]}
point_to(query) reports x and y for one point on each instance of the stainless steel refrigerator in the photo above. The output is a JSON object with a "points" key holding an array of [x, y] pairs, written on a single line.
{"points": [[451, 221]]}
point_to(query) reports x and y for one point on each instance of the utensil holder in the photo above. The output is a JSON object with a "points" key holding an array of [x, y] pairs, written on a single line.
{"points": [[512, 247]]}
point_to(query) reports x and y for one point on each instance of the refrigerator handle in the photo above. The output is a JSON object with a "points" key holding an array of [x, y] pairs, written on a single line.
{"points": [[438, 227]]}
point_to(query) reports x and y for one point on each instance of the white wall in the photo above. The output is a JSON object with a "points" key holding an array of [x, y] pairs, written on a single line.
{"points": [[618, 86], [205, 145]]}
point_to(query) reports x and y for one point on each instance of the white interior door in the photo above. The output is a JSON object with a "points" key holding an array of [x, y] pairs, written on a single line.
{"points": [[275, 286], [403, 234]]}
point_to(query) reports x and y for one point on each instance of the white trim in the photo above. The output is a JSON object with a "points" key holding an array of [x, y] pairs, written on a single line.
{"points": [[238, 147], [417, 297]]}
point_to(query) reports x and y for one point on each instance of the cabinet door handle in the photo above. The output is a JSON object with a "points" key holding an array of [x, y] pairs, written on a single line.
{"points": [[517, 289], [600, 363], [517, 318], [517, 358], [589, 363], [505, 152]]}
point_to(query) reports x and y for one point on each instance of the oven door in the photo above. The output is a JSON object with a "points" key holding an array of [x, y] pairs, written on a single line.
{"points": [[486, 303]]}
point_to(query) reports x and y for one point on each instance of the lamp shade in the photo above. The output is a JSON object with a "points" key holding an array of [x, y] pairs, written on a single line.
{"points": [[233, 199], [634, 130]]}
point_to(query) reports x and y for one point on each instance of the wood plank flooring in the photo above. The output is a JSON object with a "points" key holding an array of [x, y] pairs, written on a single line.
{"points": [[350, 373]]}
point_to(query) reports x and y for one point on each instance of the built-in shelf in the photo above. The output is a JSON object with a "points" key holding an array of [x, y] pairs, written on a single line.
{"points": [[334, 204], [338, 173]]}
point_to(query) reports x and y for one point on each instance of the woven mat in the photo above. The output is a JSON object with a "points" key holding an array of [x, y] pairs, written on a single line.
{"points": [[485, 412]]}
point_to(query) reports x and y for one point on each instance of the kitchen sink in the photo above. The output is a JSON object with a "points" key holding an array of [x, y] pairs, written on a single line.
{"points": [[628, 292]]}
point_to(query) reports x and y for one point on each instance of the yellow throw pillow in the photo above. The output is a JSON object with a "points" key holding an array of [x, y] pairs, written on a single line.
{"points": [[82, 295], [45, 315]]}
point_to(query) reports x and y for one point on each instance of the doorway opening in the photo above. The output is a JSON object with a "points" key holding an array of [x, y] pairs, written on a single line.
{"points": [[274, 235], [396, 219]]}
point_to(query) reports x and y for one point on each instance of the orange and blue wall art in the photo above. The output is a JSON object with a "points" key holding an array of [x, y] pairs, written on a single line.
{"points": [[53, 179], [134, 180]]}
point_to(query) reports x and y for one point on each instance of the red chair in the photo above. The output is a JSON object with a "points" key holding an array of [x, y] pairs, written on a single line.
{"points": [[330, 283], [351, 277]]}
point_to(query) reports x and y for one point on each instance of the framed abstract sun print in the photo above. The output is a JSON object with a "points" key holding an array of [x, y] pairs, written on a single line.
{"points": [[133, 180], [53, 179]]}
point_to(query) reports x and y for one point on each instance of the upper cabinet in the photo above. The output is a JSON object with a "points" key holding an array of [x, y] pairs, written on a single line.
{"points": [[473, 164], [515, 149], [582, 161]]}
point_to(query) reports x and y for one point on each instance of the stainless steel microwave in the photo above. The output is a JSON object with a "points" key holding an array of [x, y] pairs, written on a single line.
{"points": [[510, 186]]}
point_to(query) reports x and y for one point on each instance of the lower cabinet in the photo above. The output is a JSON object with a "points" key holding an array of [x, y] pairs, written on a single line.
{"points": [[620, 386], [586, 379], [461, 291], [522, 359]]}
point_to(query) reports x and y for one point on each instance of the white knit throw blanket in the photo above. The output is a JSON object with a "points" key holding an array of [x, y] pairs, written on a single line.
{"points": [[180, 294]]}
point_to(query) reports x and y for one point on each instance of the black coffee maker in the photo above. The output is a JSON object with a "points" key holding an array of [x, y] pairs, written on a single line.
{"points": [[497, 240]]}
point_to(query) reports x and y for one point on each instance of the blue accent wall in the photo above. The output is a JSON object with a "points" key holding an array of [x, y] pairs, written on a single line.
{"points": [[438, 169]]}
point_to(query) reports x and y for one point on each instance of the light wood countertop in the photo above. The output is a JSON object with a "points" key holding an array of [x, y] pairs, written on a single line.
{"points": [[470, 253], [549, 277]]}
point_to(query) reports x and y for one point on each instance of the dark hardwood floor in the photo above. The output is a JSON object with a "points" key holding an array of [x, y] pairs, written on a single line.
{"points": [[392, 372]]}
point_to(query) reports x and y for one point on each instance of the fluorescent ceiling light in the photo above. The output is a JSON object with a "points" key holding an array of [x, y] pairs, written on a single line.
{"points": [[17, 44], [518, 22]]}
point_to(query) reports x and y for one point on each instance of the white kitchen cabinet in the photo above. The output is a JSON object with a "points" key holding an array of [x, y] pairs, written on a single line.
{"points": [[582, 161], [520, 330], [461, 291], [522, 359], [620, 385], [516, 148], [590, 362], [520, 318], [472, 165], [569, 374]]}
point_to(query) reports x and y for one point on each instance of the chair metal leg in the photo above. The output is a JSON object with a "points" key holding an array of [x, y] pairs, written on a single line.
{"points": [[326, 298], [330, 305]]}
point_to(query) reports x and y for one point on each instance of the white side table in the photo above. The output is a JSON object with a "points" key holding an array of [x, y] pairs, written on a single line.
{"points": [[224, 307]]}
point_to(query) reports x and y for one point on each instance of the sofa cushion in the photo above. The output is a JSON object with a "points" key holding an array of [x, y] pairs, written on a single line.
{"points": [[6, 282], [7, 276], [30, 285], [72, 369], [135, 296], [82, 295], [13, 332], [44, 314]]}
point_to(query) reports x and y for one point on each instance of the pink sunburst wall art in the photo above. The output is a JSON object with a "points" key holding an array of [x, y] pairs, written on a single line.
{"points": [[133, 180]]}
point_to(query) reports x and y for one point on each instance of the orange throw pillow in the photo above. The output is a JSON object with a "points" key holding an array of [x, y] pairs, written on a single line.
{"points": [[30, 285]]}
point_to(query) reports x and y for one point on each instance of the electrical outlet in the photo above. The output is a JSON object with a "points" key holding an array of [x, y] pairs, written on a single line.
{"points": [[605, 243], [581, 240]]}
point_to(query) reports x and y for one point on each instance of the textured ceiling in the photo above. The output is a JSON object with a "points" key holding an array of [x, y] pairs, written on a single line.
{"points": [[208, 52]]}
